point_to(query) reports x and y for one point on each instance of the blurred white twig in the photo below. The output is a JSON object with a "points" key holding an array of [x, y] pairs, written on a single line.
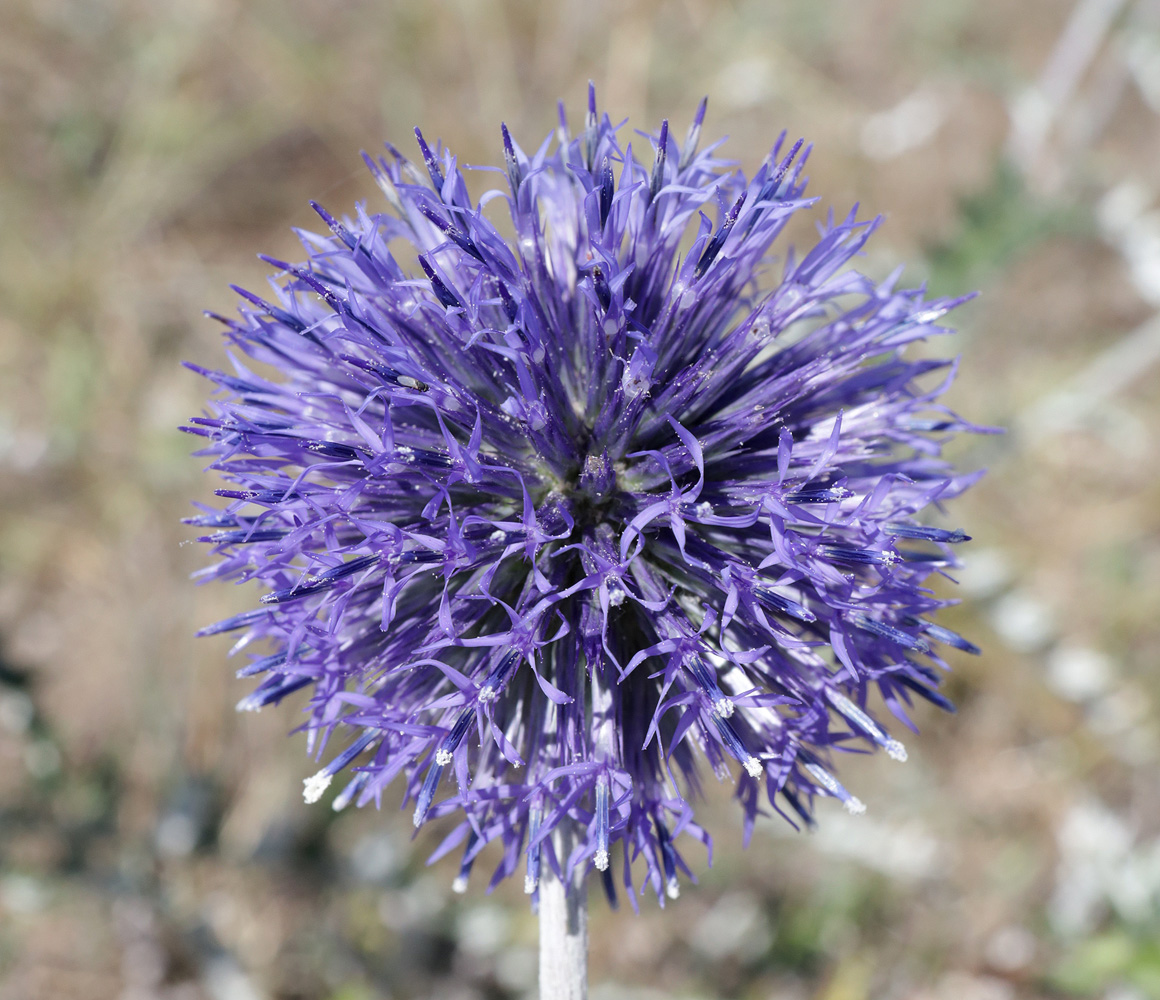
{"points": [[1037, 109], [1103, 377]]}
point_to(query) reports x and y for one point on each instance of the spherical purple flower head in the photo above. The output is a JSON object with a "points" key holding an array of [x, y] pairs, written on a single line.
{"points": [[549, 518]]}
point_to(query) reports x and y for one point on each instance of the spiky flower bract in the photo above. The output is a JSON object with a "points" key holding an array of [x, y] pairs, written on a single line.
{"points": [[546, 519]]}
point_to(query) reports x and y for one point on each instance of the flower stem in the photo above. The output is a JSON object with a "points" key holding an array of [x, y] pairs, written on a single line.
{"points": [[563, 930]]}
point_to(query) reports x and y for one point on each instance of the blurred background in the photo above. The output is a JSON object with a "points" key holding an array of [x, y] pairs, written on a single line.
{"points": [[154, 845]]}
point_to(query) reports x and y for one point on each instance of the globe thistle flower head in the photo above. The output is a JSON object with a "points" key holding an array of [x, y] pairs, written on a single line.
{"points": [[548, 522]]}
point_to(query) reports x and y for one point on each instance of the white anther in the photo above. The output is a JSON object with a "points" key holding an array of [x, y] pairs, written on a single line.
{"points": [[854, 806], [673, 889], [497, 536], [616, 596], [442, 757], [600, 859], [315, 785], [529, 884], [894, 750], [487, 694], [459, 884], [754, 767], [723, 707], [704, 509]]}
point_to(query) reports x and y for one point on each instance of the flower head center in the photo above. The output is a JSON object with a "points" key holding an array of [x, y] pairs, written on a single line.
{"points": [[593, 495]]}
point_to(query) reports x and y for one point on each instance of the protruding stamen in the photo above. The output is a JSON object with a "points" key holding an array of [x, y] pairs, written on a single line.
{"points": [[532, 872], [249, 536], [944, 635], [246, 617], [934, 697], [736, 748], [490, 689], [818, 494], [459, 884], [854, 806], [929, 315], [429, 158], [427, 793], [890, 632], [315, 785], [606, 191], [904, 530], [706, 678], [600, 858], [926, 424], [264, 664], [894, 749], [511, 308], [447, 298], [451, 741], [336, 227], [775, 602], [668, 859], [590, 123], [515, 174], [562, 133], [609, 885], [600, 286], [451, 231], [770, 190], [350, 792], [689, 150], [718, 241], [657, 179], [388, 375], [859, 557], [281, 315], [273, 690]]}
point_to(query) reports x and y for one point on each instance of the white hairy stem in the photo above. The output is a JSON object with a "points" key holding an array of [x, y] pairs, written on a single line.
{"points": [[563, 928]]}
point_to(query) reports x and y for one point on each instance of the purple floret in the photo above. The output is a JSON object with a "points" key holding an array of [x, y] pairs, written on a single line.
{"points": [[549, 505]]}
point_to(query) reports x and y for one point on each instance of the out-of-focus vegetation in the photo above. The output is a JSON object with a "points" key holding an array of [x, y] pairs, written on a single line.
{"points": [[154, 845]]}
